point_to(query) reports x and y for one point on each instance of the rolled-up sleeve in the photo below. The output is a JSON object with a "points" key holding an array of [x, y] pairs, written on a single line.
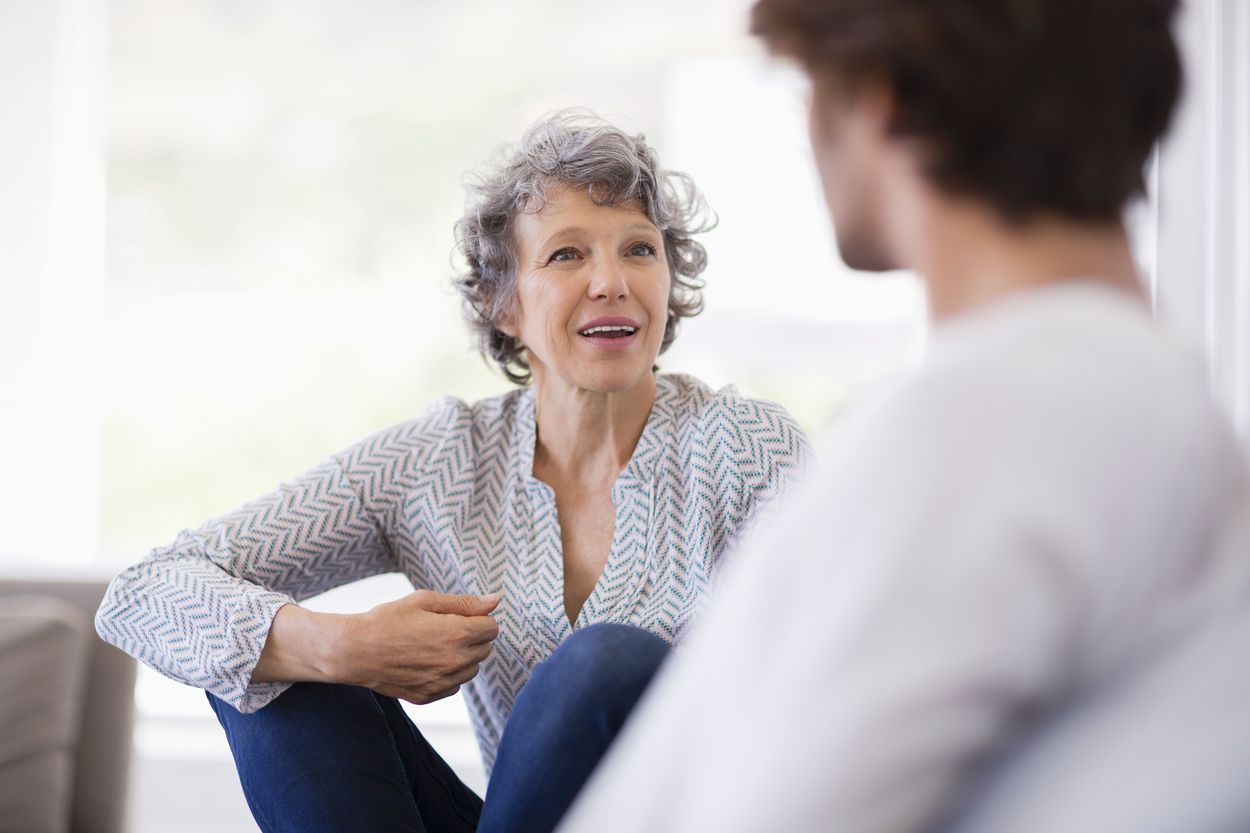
{"points": [[199, 610]]}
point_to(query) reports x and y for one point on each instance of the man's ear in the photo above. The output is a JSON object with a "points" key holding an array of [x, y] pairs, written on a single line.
{"points": [[875, 99], [833, 100]]}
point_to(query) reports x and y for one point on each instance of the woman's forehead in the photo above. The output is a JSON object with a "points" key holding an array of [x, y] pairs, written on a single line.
{"points": [[570, 208], [562, 197]]}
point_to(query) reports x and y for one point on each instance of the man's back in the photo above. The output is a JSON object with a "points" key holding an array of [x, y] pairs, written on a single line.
{"points": [[1022, 576], [1007, 582]]}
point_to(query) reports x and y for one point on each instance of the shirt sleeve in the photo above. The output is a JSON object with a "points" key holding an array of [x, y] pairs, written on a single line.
{"points": [[199, 610]]}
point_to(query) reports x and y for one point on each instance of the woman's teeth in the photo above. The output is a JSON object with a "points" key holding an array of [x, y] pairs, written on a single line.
{"points": [[610, 332]]}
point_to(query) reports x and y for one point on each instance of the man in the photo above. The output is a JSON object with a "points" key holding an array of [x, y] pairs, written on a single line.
{"points": [[1015, 598]]}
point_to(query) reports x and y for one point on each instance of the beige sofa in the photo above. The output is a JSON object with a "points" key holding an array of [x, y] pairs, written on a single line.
{"points": [[66, 712]]}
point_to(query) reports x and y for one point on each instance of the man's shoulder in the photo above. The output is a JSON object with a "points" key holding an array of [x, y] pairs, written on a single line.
{"points": [[1046, 392], [1058, 350]]}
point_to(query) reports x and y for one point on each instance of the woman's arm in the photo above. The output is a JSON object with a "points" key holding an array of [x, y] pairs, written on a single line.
{"points": [[216, 609], [199, 610], [421, 647]]}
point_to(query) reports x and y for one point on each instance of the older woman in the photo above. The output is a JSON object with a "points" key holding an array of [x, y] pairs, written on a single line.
{"points": [[560, 535]]}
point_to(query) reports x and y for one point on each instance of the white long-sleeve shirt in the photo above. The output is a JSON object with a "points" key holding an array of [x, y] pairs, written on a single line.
{"points": [[1013, 600], [450, 500]]}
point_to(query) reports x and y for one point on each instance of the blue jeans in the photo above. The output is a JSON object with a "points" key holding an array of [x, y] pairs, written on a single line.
{"points": [[342, 758]]}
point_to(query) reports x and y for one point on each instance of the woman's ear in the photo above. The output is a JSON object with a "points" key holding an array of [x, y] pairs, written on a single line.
{"points": [[507, 323]]}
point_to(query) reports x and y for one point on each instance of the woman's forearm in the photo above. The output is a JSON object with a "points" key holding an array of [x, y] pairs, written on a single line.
{"points": [[421, 647], [303, 646]]}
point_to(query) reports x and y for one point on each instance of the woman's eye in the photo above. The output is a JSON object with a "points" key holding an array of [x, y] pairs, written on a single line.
{"points": [[642, 249], [563, 255]]}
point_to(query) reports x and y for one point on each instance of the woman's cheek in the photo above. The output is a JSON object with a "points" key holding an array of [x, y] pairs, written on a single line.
{"points": [[555, 329], [659, 308]]}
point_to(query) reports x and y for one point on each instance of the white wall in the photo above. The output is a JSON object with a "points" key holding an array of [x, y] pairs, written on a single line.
{"points": [[51, 277], [1202, 254]]}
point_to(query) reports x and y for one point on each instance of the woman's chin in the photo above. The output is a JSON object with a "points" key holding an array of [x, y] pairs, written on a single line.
{"points": [[606, 379]]}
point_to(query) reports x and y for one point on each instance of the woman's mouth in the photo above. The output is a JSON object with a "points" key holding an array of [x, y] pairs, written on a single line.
{"points": [[610, 335], [608, 332]]}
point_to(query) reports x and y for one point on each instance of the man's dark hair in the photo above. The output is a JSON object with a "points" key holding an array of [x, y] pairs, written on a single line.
{"points": [[1038, 106]]}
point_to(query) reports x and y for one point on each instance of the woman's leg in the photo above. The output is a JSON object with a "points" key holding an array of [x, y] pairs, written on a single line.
{"points": [[342, 758], [563, 722]]}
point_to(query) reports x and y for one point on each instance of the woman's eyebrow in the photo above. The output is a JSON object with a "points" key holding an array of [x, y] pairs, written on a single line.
{"points": [[644, 226], [568, 231], [574, 231]]}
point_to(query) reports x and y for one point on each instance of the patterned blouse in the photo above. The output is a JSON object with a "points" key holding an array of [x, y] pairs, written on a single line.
{"points": [[450, 500]]}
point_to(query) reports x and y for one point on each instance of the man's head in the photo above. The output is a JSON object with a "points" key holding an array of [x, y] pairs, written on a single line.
{"points": [[1033, 107]]}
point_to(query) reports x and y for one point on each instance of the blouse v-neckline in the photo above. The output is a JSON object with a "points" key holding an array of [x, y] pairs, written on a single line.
{"points": [[621, 577]]}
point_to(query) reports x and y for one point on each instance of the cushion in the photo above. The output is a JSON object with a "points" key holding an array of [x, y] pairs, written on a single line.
{"points": [[43, 650]]}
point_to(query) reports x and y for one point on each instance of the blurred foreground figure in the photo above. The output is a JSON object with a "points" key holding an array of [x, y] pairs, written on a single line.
{"points": [[1015, 598]]}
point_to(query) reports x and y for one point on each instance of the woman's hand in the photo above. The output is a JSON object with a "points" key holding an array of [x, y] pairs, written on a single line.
{"points": [[420, 648]]}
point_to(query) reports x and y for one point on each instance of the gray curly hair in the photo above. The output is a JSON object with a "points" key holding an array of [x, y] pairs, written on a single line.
{"points": [[571, 147]]}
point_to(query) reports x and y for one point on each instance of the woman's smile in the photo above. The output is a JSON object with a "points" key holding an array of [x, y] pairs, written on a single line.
{"points": [[610, 333]]}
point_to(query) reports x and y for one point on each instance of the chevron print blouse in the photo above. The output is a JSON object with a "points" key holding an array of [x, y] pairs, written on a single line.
{"points": [[450, 500]]}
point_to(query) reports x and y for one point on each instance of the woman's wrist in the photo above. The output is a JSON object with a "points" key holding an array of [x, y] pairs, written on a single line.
{"points": [[336, 647], [305, 646]]}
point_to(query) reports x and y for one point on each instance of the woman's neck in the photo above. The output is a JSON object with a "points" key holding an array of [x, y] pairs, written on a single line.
{"points": [[586, 436]]}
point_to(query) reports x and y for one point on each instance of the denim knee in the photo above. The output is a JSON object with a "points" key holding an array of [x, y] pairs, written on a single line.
{"points": [[294, 712], [606, 657]]}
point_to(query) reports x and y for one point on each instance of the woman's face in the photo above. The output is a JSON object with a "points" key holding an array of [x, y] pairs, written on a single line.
{"points": [[591, 291]]}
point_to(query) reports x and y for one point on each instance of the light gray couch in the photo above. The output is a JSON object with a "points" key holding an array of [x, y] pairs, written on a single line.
{"points": [[66, 712]]}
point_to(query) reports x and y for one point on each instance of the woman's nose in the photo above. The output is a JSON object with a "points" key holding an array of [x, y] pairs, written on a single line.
{"points": [[608, 281]]}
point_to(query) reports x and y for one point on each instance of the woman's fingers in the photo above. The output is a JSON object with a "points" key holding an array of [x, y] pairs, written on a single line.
{"points": [[465, 675], [455, 682], [479, 653], [424, 646], [445, 688], [441, 695], [430, 683], [480, 630], [455, 605]]}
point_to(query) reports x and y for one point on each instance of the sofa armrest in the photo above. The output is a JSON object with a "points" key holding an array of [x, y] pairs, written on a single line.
{"points": [[43, 651], [101, 777]]}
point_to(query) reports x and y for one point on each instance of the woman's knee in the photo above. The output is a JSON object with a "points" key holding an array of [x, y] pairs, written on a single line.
{"points": [[304, 710], [323, 756], [608, 657]]}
